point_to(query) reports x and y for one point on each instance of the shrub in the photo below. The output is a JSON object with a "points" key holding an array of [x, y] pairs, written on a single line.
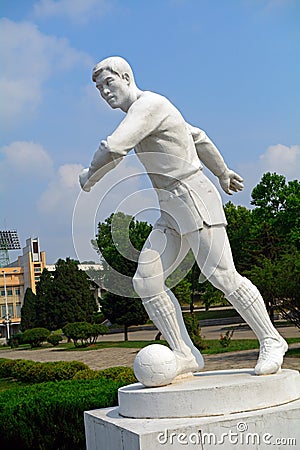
{"points": [[225, 339], [6, 366], [16, 340], [194, 330], [124, 375], [78, 331], [22, 369], [87, 374], [82, 332], [97, 330], [37, 372], [35, 336], [49, 416], [54, 339]]}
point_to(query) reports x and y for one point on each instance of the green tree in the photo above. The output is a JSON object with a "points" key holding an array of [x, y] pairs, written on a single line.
{"points": [[276, 215], [239, 227], [264, 276], [71, 298], [29, 310], [275, 239], [288, 282], [45, 301], [119, 242], [269, 195], [210, 295], [62, 296], [123, 311]]}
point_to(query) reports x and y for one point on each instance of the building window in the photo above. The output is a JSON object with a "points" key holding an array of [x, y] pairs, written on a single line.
{"points": [[37, 270], [18, 291], [37, 279], [10, 311], [18, 308], [8, 291]]}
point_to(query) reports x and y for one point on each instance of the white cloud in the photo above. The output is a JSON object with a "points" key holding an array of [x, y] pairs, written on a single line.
{"points": [[282, 159], [29, 59], [78, 11], [60, 196], [23, 157]]}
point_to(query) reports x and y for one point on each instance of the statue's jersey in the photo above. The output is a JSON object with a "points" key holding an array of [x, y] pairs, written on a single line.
{"points": [[164, 144]]}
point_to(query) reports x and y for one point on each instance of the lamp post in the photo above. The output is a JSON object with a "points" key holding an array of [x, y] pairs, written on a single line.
{"points": [[6, 317]]}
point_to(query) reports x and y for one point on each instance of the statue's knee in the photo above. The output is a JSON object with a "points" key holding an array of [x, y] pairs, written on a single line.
{"points": [[226, 280], [148, 279], [138, 284]]}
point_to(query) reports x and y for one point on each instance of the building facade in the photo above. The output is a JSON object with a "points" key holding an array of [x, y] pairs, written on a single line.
{"points": [[22, 274]]}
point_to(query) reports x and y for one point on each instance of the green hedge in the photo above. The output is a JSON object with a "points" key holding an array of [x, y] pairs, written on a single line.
{"points": [[120, 374], [49, 416], [36, 372]]}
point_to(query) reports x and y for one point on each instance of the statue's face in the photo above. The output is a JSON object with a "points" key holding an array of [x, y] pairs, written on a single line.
{"points": [[114, 89]]}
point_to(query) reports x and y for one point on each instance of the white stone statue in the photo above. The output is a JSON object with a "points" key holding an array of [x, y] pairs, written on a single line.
{"points": [[192, 215]]}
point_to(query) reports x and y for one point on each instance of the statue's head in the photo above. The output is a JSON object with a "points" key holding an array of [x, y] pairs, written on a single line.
{"points": [[115, 81], [114, 64]]}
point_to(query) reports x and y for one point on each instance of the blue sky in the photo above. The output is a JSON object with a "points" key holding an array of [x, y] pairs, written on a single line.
{"points": [[230, 66]]}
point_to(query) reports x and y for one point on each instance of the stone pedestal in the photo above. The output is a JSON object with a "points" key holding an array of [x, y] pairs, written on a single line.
{"points": [[225, 409]]}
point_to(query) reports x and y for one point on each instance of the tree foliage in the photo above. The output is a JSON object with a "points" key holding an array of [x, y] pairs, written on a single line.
{"points": [[35, 336], [119, 242], [83, 333], [62, 297], [265, 243], [274, 244], [124, 311], [29, 310]]}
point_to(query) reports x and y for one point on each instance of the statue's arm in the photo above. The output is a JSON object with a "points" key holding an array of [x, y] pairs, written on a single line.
{"points": [[213, 160], [103, 162], [141, 119]]}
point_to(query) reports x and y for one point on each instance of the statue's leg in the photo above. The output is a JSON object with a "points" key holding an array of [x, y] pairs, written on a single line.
{"points": [[216, 263], [160, 256]]}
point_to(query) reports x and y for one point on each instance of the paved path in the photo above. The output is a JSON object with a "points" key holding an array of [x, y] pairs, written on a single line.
{"points": [[109, 357]]}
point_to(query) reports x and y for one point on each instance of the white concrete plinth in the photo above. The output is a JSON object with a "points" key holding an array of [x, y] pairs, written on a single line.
{"points": [[210, 394], [274, 426]]}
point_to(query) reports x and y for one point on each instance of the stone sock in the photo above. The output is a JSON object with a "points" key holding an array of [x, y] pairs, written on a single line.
{"points": [[250, 305], [168, 319], [247, 300]]}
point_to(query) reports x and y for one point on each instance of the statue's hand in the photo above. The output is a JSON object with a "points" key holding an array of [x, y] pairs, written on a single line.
{"points": [[84, 180], [104, 145], [231, 181]]}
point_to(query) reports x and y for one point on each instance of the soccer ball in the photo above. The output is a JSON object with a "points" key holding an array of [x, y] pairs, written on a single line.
{"points": [[155, 365]]}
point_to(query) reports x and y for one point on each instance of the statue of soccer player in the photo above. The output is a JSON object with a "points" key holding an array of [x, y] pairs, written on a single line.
{"points": [[192, 215]]}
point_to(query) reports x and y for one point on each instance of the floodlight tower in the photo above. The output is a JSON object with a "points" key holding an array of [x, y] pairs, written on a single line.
{"points": [[8, 241]]}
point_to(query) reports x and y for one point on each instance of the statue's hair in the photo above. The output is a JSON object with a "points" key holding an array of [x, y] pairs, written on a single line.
{"points": [[114, 64]]}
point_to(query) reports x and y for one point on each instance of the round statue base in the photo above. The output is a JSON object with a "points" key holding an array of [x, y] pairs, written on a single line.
{"points": [[210, 394]]}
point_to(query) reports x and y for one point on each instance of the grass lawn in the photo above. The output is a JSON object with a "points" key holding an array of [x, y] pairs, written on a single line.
{"points": [[216, 314], [293, 353]]}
